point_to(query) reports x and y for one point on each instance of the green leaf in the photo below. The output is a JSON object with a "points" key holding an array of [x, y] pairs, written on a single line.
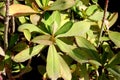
{"points": [[95, 1], [98, 15], [61, 4], [88, 47], [91, 9], [43, 39], [113, 18], [39, 3], [115, 70], [45, 2], [53, 22], [77, 29], [115, 37], [28, 53], [64, 69], [27, 34], [64, 28], [53, 65], [20, 46], [114, 60], [30, 27], [75, 53]]}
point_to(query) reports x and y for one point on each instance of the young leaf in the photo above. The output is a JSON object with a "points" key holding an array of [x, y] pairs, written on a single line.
{"points": [[115, 37], [61, 5], [53, 64], [19, 9], [28, 53], [27, 34], [64, 28], [34, 19], [77, 29], [43, 39], [88, 47]]}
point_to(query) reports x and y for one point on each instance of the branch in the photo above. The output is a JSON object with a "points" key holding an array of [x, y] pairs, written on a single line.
{"points": [[6, 23], [103, 22]]}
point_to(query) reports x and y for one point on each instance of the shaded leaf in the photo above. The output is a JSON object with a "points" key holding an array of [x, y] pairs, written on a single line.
{"points": [[61, 5], [77, 29], [53, 68], [19, 9], [28, 53], [43, 39], [115, 70], [115, 37], [27, 34]]}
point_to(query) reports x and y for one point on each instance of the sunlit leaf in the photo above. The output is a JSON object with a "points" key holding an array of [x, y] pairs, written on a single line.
{"points": [[98, 15], [34, 19], [64, 28], [43, 39], [61, 4], [2, 53], [19, 9], [77, 29], [39, 3], [27, 34], [53, 68], [115, 37], [30, 27], [28, 53], [91, 9], [64, 69], [113, 18], [88, 47]]}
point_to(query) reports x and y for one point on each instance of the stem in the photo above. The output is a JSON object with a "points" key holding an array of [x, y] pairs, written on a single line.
{"points": [[103, 22], [6, 25]]}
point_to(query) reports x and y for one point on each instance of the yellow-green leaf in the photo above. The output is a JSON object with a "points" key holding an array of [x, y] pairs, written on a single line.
{"points": [[19, 9], [28, 53], [27, 34]]}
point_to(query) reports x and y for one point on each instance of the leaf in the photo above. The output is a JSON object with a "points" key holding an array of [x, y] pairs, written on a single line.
{"points": [[91, 9], [75, 53], [39, 3], [20, 46], [115, 37], [28, 53], [115, 70], [64, 28], [77, 29], [113, 18], [64, 69], [30, 27], [98, 15], [2, 53], [27, 34], [19, 9], [43, 39], [115, 60], [34, 19], [53, 68], [61, 4], [88, 47]]}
